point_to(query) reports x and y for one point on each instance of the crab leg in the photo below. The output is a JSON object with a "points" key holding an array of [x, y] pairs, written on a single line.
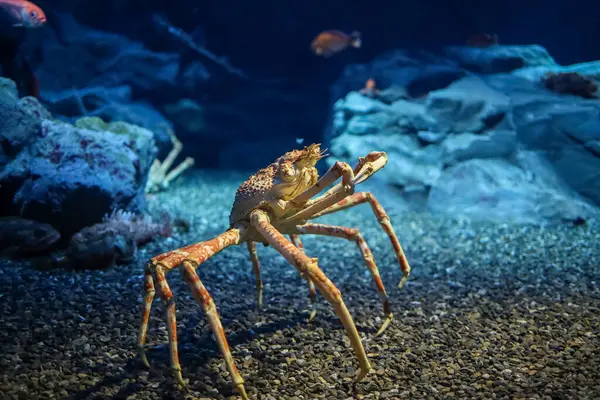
{"points": [[195, 253], [366, 167], [167, 298], [354, 235], [339, 169], [308, 266], [177, 147], [384, 221], [148, 297], [205, 299], [198, 252], [180, 169], [312, 292], [256, 269]]}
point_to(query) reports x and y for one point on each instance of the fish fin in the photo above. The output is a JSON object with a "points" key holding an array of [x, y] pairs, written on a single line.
{"points": [[17, 24]]}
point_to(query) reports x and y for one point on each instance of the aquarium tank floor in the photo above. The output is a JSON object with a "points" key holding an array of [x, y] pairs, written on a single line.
{"points": [[490, 311]]}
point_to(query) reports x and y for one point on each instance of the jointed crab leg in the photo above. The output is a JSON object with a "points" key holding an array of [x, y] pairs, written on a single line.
{"points": [[308, 266], [205, 299], [180, 169], [366, 167], [339, 169], [197, 252], [191, 255], [312, 292], [354, 235], [167, 298], [256, 269], [148, 297], [384, 221]]}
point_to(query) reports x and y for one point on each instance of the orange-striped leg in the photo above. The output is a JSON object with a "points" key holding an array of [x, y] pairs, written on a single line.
{"points": [[256, 269], [205, 299], [312, 292], [384, 221], [308, 266], [354, 235], [169, 303], [337, 170], [197, 252], [163, 263], [148, 297]]}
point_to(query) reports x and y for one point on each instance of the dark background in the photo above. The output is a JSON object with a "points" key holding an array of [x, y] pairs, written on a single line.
{"points": [[271, 38]]}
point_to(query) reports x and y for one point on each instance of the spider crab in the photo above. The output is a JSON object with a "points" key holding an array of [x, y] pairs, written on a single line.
{"points": [[279, 200]]}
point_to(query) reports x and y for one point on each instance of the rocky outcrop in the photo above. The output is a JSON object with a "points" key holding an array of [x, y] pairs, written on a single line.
{"points": [[492, 146], [68, 175], [89, 72], [498, 59]]}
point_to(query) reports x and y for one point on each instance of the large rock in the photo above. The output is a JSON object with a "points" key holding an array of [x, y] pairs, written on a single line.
{"points": [[495, 189], [500, 58], [402, 75], [409, 165], [535, 74], [90, 73], [566, 132], [71, 176], [466, 146], [20, 121], [110, 104], [496, 146], [467, 105], [93, 58]]}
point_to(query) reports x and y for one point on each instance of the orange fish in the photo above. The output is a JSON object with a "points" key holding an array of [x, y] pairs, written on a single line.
{"points": [[328, 43], [370, 88], [482, 40], [24, 13]]}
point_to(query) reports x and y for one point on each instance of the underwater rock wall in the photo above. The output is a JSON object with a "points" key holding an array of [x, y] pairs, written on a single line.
{"points": [[86, 72], [68, 175], [495, 145], [89, 72]]}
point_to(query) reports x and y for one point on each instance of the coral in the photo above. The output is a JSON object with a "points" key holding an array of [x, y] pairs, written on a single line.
{"points": [[62, 167]]}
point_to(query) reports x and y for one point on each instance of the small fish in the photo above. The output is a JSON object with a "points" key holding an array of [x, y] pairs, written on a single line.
{"points": [[327, 43], [299, 140], [24, 13], [483, 40], [370, 89]]}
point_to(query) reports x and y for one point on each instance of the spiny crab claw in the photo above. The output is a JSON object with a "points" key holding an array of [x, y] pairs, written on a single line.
{"points": [[368, 165]]}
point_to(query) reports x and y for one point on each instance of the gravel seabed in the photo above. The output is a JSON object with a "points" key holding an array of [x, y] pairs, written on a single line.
{"points": [[491, 311]]}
